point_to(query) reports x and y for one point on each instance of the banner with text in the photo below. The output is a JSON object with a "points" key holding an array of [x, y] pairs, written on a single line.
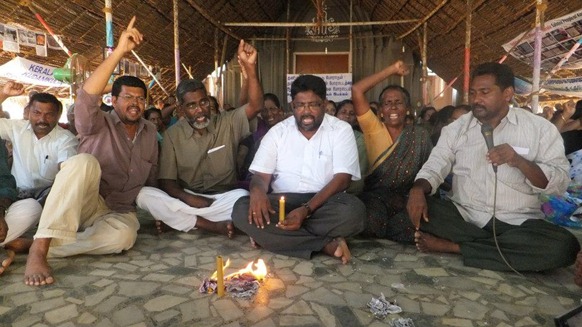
{"points": [[29, 72], [339, 86]]}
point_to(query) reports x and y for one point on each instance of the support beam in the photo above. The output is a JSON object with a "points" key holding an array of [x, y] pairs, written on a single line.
{"points": [[305, 24], [177, 67], [537, 59], [422, 21], [467, 64], [209, 18]]}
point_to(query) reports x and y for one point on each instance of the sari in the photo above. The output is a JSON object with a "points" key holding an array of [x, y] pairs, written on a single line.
{"points": [[386, 187]]}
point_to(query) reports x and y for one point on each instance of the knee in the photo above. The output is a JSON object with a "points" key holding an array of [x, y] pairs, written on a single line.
{"points": [[144, 196], [83, 162], [121, 238], [27, 210], [240, 211]]}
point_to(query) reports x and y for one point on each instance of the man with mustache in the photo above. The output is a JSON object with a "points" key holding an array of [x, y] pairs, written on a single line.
{"points": [[197, 175], [309, 159], [39, 147], [493, 218], [91, 207]]}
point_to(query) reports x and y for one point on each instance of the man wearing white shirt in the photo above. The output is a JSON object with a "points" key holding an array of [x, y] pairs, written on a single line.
{"points": [[39, 146], [494, 219], [309, 159]]}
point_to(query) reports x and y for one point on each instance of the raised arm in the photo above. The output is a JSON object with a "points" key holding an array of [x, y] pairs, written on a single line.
{"points": [[361, 104], [11, 89], [128, 40], [247, 56]]}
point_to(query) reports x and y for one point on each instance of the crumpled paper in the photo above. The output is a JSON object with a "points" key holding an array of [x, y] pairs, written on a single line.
{"points": [[240, 287], [402, 322], [380, 307]]}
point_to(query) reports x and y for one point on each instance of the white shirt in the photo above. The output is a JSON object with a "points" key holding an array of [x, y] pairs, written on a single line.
{"points": [[36, 162], [462, 148], [299, 165]]}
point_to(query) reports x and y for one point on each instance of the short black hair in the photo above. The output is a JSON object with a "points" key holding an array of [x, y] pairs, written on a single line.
{"points": [[188, 85], [150, 111], [272, 97], [400, 89], [503, 74], [305, 83], [128, 81], [46, 98], [341, 104]]}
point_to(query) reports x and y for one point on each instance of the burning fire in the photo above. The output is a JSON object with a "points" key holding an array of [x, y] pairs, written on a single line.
{"points": [[259, 272]]}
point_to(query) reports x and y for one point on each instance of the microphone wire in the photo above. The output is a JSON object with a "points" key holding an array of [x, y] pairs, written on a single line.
{"points": [[495, 232]]}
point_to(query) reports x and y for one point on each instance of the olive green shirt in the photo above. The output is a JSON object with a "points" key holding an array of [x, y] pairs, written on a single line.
{"points": [[204, 163]]}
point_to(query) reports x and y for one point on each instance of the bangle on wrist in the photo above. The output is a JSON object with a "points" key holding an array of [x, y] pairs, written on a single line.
{"points": [[309, 211], [562, 116]]}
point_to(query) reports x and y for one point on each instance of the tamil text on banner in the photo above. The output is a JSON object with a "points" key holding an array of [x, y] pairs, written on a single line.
{"points": [[339, 86]]}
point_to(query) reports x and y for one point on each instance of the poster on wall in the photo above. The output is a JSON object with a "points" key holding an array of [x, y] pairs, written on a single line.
{"points": [[559, 36], [40, 44], [10, 39], [339, 86]]}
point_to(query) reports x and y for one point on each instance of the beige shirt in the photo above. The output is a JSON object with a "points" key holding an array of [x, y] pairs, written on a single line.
{"points": [[204, 163]]}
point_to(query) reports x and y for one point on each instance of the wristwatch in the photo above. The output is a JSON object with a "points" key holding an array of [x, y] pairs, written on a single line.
{"points": [[309, 211]]}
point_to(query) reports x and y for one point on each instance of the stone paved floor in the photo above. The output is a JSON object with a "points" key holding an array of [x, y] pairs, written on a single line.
{"points": [[156, 284]]}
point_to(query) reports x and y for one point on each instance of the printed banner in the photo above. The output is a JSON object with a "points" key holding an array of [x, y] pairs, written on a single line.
{"points": [[29, 72], [339, 86], [559, 36]]}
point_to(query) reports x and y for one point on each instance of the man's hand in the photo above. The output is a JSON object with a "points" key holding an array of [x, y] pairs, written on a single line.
{"points": [[130, 38], [247, 56], [416, 206], [569, 108], [399, 68], [197, 201], [11, 89], [294, 219], [503, 154], [260, 209]]}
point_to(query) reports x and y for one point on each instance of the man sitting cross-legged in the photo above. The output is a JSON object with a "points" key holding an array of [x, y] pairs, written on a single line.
{"points": [[91, 207], [309, 159], [198, 158]]}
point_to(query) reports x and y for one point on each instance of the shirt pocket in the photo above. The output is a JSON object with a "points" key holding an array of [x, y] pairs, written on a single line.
{"points": [[49, 167]]}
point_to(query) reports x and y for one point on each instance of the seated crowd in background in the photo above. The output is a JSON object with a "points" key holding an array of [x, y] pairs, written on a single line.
{"points": [[344, 168]]}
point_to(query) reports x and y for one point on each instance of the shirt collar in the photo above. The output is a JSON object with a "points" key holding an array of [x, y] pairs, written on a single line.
{"points": [[117, 121], [189, 130], [510, 118]]}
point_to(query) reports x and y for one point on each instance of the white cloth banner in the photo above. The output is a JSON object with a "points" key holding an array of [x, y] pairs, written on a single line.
{"points": [[339, 86], [29, 72]]}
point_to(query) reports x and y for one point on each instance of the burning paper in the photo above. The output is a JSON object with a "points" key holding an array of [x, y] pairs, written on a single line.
{"points": [[243, 283], [380, 307]]}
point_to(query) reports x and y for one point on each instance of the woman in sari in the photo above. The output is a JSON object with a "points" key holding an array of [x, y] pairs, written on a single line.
{"points": [[396, 153]]}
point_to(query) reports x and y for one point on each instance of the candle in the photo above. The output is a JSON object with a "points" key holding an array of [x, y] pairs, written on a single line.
{"points": [[281, 209], [219, 277]]}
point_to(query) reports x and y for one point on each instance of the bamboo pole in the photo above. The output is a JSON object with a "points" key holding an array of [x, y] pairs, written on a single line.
{"points": [[108, 24], [467, 64], [176, 43], [310, 39], [540, 7], [422, 21], [209, 18], [288, 40], [350, 67], [305, 24], [425, 98]]}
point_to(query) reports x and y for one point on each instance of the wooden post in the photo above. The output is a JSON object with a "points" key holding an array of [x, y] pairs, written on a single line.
{"points": [[425, 96], [176, 43], [537, 56], [467, 66]]}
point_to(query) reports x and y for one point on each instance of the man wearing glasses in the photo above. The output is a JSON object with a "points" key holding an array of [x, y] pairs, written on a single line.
{"points": [[308, 160], [90, 209], [197, 175]]}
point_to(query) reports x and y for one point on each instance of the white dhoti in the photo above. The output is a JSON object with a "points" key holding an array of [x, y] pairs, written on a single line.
{"points": [[181, 216], [20, 217]]}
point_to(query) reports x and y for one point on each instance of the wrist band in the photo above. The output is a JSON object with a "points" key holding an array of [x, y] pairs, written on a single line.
{"points": [[309, 211]]}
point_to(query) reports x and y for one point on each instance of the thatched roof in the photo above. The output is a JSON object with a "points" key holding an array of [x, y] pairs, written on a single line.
{"points": [[82, 25]]}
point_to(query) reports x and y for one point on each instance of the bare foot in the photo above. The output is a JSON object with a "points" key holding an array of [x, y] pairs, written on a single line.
{"points": [[224, 227], [19, 245], [6, 258], [429, 243], [161, 227], [254, 244], [338, 248], [38, 272]]}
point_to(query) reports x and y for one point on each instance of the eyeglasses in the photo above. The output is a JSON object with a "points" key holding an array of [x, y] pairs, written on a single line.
{"points": [[131, 98], [389, 104], [204, 103], [309, 105]]}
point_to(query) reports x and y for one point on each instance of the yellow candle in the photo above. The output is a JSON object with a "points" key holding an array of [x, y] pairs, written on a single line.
{"points": [[219, 277], [281, 209]]}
